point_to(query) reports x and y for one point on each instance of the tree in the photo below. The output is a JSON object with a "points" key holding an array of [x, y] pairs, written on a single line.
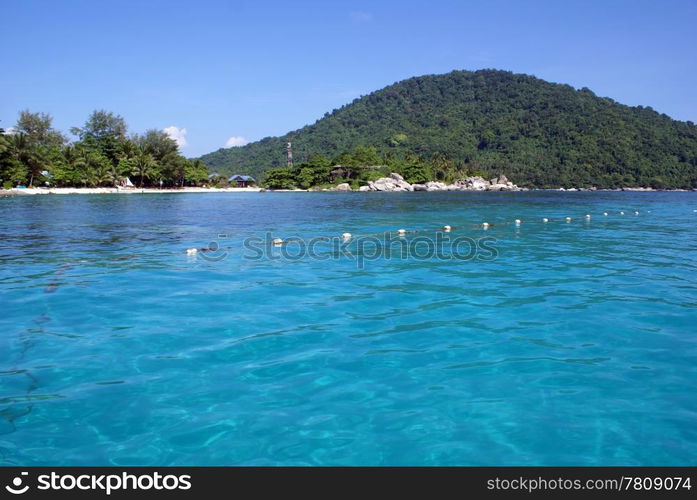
{"points": [[103, 174], [102, 124], [38, 129], [305, 178], [417, 173], [144, 166], [279, 178], [319, 161], [172, 169], [102, 154], [96, 167], [31, 157], [157, 143], [105, 132], [12, 170], [70, 170], [195, 172]]}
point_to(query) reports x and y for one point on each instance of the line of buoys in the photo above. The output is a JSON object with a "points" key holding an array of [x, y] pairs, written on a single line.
{"points": [[446, 228]]}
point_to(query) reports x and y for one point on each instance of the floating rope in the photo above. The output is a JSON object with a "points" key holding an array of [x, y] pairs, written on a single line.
{"points": [[446, 228]]}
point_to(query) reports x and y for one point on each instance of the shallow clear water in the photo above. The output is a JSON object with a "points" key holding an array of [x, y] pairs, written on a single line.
{"points": [[576, 345]]}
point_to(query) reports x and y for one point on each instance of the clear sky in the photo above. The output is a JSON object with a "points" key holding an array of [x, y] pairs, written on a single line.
{"points": [[243, 70]]}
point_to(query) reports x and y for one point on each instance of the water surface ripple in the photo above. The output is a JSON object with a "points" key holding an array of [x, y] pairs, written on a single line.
{"points": [[576, 346]]}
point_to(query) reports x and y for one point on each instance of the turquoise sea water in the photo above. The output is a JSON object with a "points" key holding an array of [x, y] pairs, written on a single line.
{"points": [[576, 345]]}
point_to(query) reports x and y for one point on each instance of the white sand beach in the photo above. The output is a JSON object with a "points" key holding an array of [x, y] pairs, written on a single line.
{"points": [[104, 190]]}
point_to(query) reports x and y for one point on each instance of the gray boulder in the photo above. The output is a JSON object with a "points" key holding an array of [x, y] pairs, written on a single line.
{"points": [[435, 186], [476, 183], [394, 182], [396, 177]]}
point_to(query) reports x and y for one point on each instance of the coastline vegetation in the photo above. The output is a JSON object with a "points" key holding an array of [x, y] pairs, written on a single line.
{"points": [[361, 165], [539, 134], [430, 128], [34, 153]]}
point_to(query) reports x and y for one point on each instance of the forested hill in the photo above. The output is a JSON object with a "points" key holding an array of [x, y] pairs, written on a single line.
{"points": [[537, 133]]}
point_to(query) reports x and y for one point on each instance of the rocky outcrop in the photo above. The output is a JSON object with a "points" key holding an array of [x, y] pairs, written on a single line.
{"points": [[473, 184], [345, 187], [396, 182]]}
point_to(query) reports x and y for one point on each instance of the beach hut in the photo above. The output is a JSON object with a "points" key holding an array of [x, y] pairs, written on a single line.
{"points": [[242, 181]]}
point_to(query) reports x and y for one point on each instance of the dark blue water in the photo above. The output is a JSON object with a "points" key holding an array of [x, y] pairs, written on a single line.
{"points": [[568, 344]]}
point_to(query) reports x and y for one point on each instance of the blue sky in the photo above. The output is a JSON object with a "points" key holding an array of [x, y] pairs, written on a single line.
{"points": [[238, 69]]}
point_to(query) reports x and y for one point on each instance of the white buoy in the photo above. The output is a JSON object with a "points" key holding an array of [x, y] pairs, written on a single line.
{"points": [[447, 229], [588, 216], [545, 219], [401, 231], [621, 213], [191, 251], [636, 213], [568, 219], [277, 241], [605, 214], [485, 225], [346, 236], [517, 222]]}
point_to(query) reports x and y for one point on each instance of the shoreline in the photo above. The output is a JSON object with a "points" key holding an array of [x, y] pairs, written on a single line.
{"points": [[189, 190], [104, 190]]}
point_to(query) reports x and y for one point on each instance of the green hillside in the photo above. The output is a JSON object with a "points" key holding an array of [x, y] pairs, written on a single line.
{"points": [[538, 133]]}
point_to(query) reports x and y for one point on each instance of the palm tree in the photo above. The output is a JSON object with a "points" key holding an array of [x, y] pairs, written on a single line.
{"points": [[104, 174], [27, 155], [76, 165], [144, 165]]}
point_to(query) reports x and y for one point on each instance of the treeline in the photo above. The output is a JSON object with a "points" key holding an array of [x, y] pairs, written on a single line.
{"points": [[537, 133], [33, 153], [363, 164]]}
